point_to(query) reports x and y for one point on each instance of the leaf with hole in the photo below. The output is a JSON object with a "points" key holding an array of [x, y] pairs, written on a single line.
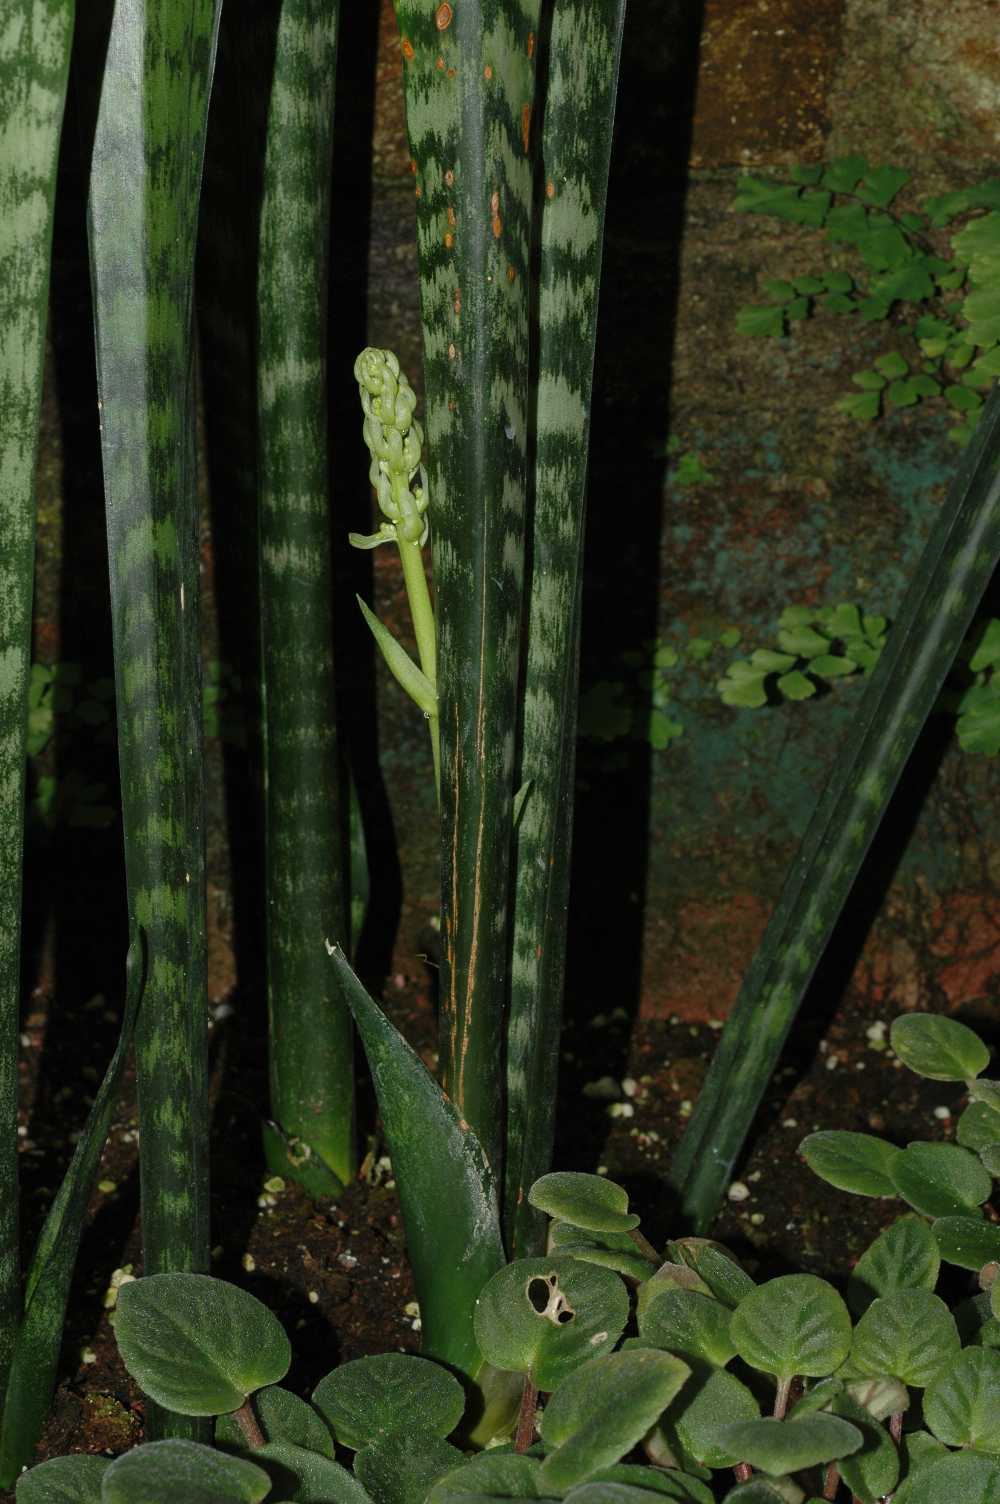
{"points": [[369, 1397], [546, 1317], [196, 1344], [937, 1047], [940, 1180], [589, 1433], [587, 1201], [910, 1336], [905, 1256], [176, 1469], [795, 1324], [785, 1446], [857, 1162]]}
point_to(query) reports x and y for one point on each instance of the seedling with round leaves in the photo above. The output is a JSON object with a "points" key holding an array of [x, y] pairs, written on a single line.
{"points": [[676, 1358]]}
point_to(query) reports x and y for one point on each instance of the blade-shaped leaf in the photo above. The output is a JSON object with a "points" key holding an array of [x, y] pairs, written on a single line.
{"points": [[402, 667], [580, 62], [145, 185], [446, 1185], [785, 1446], [198, 1345], [39, 1336], [856, 1162], [941, 1180], [969, 1242], [34, 64], [957, 562]]}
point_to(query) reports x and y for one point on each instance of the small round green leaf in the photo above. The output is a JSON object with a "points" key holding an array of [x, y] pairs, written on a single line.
{"points": [[938, 1047], [969, 1242], [909, 1336], [186, 1470], [962, 1406], [545, 1317], [368, 1397], [196, 1344], [708, 1400], [304, 1476], [402, 1466], [283, 1416], [959, 1478], [588, 1432], [941, 1180], [611, 1250], [873, 1469], [785, 1446], [903, 1257], [587, 1201], [640, 1482], [490, 1475], [978, 1127], [63, 1480], [691, 1325], [796, 1324], [857, 1162]]}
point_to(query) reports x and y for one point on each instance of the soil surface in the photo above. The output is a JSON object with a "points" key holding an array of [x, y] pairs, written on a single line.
{"points": [[336, 1273]]}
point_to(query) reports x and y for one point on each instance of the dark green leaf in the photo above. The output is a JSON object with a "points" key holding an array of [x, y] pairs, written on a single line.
{"points": [[904, 1257], [587, 1201], [940, 1180], [979, 1124], [962, 1406], [843, 174], [283, 1416], [632, 1484], [402, 1466], [63, 1480], [198, 1345], [966, 1476], [692, 1325], [795, 1324], [768, 322], [490, 1475], [586, 1431], [178, 1469], [873, 1469], [969, 1242], [307, 1478], [857, 1162], [910, 1335], [785, 1446], [881, 185], [938, 1047], [708, 1400], [369, 1397], [546, 1317]]}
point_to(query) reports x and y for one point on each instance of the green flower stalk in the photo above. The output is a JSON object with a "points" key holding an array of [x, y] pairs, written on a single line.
{"points": [[394, 439]]}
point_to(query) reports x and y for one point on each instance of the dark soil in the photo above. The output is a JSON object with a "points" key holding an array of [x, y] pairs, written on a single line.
{"points": [[336, 1274]]}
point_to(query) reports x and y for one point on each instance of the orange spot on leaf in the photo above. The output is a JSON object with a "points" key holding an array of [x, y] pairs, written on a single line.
{"points": [[494, 202], [449, 240], [550, 189], [449, 177], [487, 71], [406, 47], [451, 73], [496, 225], [413, 166], [511, 274], [452, 352], [525, 125], [451, 215], [531, 44], [442, 16], [418, 191], [440, 64], [458, 300]]}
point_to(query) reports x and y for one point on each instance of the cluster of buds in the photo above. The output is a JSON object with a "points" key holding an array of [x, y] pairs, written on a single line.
{"points": [[394, 438]]}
